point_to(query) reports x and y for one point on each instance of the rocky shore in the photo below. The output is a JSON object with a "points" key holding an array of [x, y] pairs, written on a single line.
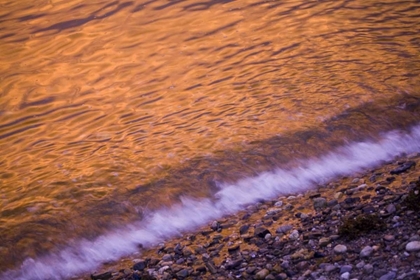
{"points": [[361, 227]]}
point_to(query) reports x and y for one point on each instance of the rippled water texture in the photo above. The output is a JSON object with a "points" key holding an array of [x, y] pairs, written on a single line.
{"points": [[110, 109]]}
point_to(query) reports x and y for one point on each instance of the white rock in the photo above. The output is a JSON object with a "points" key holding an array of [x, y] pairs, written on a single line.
{"points": [[340, 249], [413, 246], [345, 276]]}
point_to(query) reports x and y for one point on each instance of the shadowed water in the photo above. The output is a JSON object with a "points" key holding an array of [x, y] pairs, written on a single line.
{"points": [[112, 109]]}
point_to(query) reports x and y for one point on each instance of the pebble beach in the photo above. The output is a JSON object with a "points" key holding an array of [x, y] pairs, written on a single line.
{"points": [[365, 226]]}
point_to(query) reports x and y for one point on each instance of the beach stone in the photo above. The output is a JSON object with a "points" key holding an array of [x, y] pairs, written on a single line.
{"points": [[167, 258], [284, 228], [215, 225], [345, 276], [413, 246], [338, 195], [262, 274], [389, 276], [346, 268], [368, 268], [366, 252], [278, 204], [402, 168], [340, 249], [330, 268], [163, 269], [391, 208], [186, 252], [389, 237], [319, 203], [261, 232], [294, 235], [210, 266], [140, 265], [243, 229], [273, 211], [183, 273], [304, 216], [324, 241], [288, 207], [102, 276], [281, 276]]}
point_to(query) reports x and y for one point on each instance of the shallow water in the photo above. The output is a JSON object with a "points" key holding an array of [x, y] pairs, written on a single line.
{"points": [[112, 110]]}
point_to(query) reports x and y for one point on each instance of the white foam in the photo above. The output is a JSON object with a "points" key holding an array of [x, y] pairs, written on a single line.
{"points": [[85, 256]]}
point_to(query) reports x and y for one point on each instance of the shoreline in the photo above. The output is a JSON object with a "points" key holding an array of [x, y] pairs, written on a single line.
{"points": [[303, 236]]}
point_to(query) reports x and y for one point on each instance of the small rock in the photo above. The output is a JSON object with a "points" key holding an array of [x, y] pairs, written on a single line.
{"points": [[346, 268], [324, 241], [273, 211], [389, 276], [284, 228], [402, 168], [278, 204], [288, 207], [243, 229], [368, 268], [102, 276], [215, 225], [413, 246], [210, 266], [162, 269], [233, 248], [366, 252], [261, 232], [294, 235], [340, 249], [140, 265], [183, 273], [319, 203], [338, 195], [391, 208], [262, 274], [345, 276], [389, 237], [330, 267], [167, 258]]}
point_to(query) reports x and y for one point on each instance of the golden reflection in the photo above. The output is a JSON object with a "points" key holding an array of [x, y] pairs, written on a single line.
{"points": [[100, 100]]}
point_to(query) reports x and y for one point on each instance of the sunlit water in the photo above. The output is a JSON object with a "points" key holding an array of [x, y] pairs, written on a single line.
{"points": [[110, 111]]}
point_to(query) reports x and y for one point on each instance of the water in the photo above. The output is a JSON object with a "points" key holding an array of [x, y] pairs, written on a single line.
{"points": [[111, 112]]}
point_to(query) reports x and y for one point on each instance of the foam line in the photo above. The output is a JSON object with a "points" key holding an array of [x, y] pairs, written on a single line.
{"points": [[85, 256]]}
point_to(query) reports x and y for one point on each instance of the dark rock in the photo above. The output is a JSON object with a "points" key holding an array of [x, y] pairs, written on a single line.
{"points": [[141, 265], [261, 232], [318, 255], [243, 229], [210, 266], [319, 203], [102, 276], [182, 273], [201, 269], [233, 264], [233, 248], [352, 200], [402, 168]]}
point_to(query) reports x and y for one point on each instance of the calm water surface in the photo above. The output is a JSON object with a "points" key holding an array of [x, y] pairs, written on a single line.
{"points": [[110, 109]]}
